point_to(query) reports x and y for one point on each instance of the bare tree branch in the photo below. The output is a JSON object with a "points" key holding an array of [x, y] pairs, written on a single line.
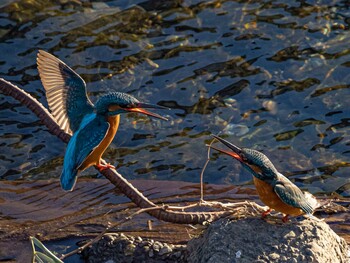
{"points": [[112, 175]]}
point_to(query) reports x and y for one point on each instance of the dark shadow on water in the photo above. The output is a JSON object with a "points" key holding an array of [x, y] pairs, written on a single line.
{"points": [[271, 76]]}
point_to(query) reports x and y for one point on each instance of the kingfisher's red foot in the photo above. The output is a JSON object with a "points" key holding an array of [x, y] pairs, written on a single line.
{"points": [[285, 219], [263, 215], [102, 167]]}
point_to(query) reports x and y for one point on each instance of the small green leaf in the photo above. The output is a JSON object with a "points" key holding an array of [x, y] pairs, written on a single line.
{"points": [[42, 257]]}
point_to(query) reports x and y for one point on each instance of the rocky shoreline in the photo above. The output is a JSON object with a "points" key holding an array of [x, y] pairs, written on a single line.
{"points": [[116, 247], [245, 240]]}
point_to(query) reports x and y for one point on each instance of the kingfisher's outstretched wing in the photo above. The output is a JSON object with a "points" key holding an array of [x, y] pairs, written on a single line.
{"points": [[292, 195], [65, 92], [91, 133]]}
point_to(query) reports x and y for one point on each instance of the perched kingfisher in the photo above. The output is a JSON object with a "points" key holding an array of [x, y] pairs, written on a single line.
{"points": [[93, 126], [274, 189]]}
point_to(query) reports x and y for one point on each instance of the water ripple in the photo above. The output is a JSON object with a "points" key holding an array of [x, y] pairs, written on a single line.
{"points": [[273, 76]]}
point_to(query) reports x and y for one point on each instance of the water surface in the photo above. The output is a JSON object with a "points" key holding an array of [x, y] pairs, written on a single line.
{"points": [[268, 75]]}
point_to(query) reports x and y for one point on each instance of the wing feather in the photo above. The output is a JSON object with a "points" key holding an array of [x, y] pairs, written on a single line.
{"points": [[292, 195], [65, 92], [92, 132], [91, 136]]}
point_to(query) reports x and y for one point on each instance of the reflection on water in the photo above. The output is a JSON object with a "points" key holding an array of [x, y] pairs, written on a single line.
{"points": [[42, 209], [270, 75]]}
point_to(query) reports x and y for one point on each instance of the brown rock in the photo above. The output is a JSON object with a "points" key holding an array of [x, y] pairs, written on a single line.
{"points": [[259, 240]]}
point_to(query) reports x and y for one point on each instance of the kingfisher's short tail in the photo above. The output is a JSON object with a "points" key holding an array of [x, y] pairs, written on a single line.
{"points": [[68, 179], [312, 200]]}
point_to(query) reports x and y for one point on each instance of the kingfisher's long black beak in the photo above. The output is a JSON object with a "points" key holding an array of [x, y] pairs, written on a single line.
{"points": [[141, 108], [235, 152]]}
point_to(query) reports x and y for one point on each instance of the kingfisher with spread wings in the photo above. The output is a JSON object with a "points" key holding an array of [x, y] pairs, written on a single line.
{"points": [[93, 126]]}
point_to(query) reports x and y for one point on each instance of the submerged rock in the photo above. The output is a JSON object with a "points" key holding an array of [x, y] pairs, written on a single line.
{"points": [[255, 240], [241, 241]]}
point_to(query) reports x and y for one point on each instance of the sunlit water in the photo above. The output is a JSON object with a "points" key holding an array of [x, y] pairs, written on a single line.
{"points": [[268, 75], [272, 76]]}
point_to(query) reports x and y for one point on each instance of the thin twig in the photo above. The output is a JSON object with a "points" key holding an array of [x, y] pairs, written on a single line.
{"points": [[115, 178], [202, 173], [182, 208]]}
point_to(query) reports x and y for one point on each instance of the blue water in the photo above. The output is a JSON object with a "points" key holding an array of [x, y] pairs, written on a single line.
{"points": [[270, 75]]}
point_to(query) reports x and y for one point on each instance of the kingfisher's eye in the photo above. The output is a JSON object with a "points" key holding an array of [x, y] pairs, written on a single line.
{"points": [[245, 159], [248, 160], [129, 106]]}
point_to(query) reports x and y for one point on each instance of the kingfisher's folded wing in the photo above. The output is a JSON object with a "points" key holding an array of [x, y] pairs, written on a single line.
{"points": [[91, 133], [292, 195]]}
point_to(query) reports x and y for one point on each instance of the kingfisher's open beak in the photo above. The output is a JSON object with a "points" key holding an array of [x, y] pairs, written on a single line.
{"points": [[235, 151], [141, 108]]}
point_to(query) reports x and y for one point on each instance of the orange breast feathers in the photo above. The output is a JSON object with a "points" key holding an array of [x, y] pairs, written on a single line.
{"points": [[95, 156], [272, 200]]}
